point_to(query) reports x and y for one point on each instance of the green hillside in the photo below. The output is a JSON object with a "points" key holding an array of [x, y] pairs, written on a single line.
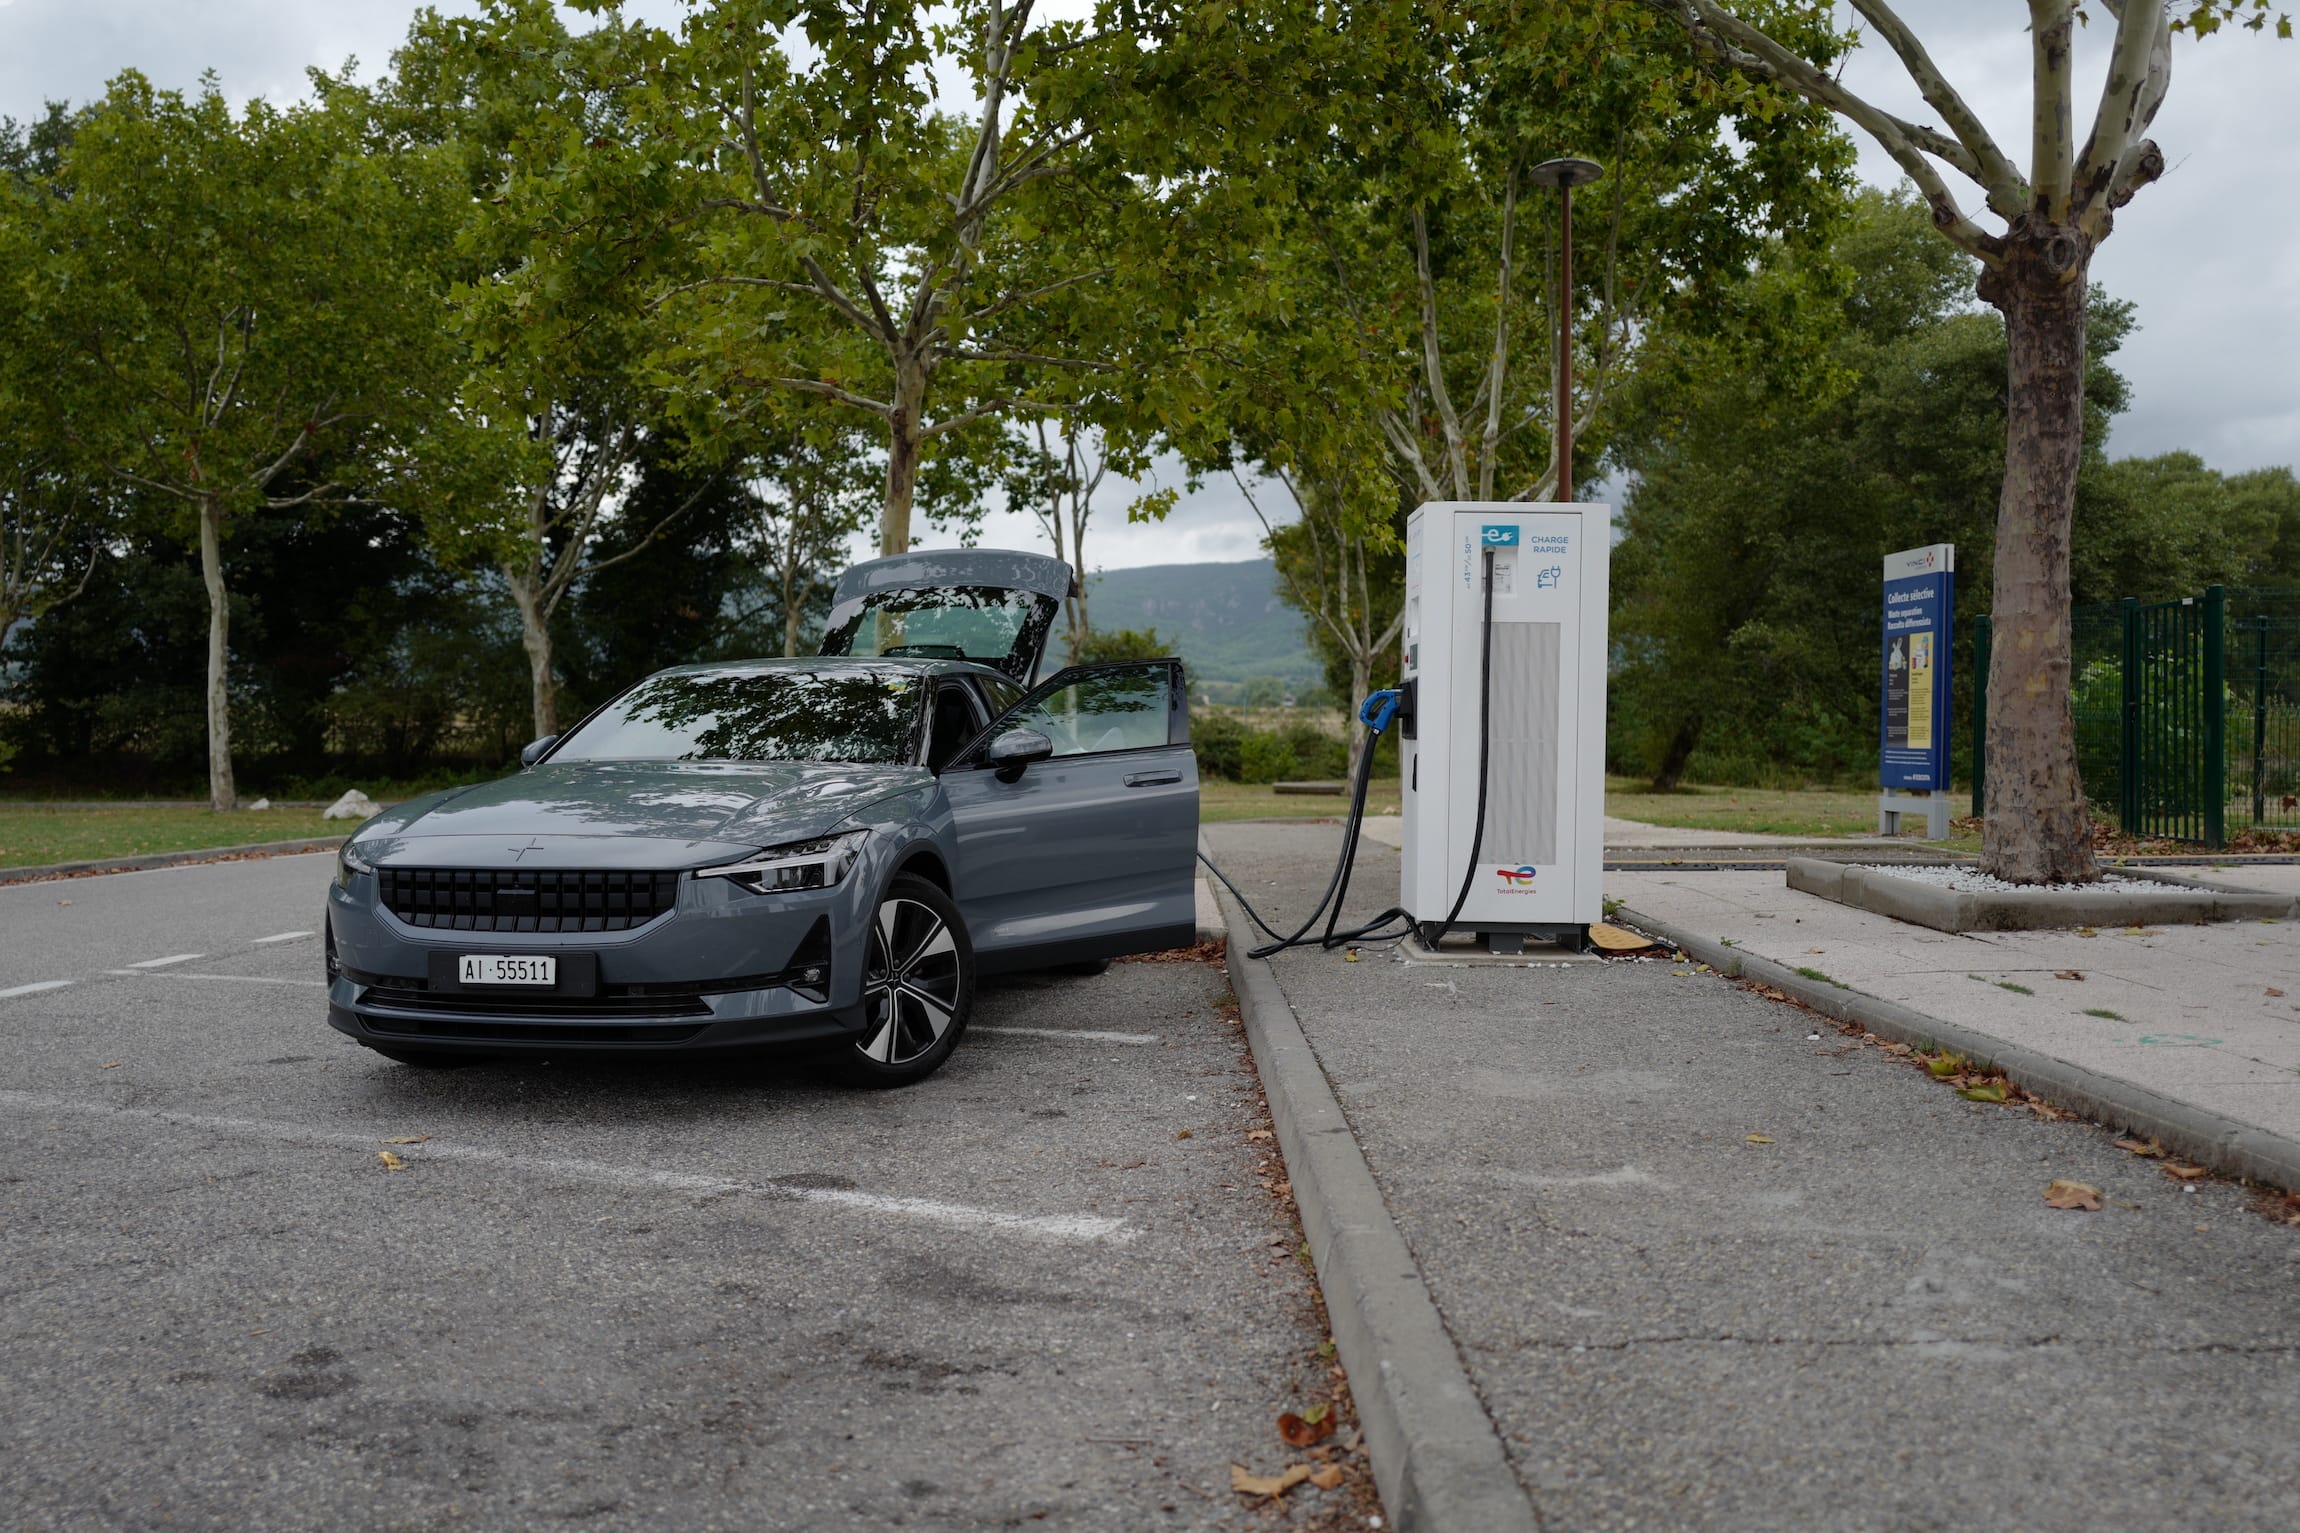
{"points": [[1225, 619]]}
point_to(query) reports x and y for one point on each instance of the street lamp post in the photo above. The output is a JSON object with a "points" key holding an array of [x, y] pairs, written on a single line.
{"points": [[1565, 175]]}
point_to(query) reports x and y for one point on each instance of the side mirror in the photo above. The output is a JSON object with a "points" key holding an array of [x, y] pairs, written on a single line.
{"points": [[1015, 749], [533, 751]]}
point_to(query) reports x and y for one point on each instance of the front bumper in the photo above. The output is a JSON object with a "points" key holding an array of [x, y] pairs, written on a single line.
{"points": [[722, 970]]}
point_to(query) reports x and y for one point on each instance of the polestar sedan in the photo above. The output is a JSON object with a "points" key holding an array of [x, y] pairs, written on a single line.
{"points": [[822, 852]]}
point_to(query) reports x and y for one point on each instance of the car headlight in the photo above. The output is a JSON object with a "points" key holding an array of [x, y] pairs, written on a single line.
{"points": [[349, 865], [800, 865]]}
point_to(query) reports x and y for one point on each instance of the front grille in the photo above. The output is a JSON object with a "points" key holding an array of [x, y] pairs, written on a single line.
{"points": [[396, 998], [527, 1032], [501, 900]]}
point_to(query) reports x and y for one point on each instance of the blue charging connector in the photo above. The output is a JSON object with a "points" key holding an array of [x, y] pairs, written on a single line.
{"points": [[1380, 708]]}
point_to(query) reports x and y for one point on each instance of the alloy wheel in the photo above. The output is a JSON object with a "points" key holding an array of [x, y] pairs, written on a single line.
{"points": [[911, 987]]}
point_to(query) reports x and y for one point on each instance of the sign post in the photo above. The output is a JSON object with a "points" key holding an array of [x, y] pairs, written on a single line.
{"points": [[1913, 755]]}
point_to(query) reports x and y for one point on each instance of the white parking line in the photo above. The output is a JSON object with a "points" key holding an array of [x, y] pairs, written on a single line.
{"points": [[1069, 1034], [35, 988], [239, 979], [161, 963], [279, 937], [1084, 1227]]}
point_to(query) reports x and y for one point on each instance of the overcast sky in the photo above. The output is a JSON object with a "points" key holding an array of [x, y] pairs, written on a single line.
{"points": [[2211, 254]]}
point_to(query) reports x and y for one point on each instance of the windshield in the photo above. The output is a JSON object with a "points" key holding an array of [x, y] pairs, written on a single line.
{"points": [[794, 715], [994, 625]]}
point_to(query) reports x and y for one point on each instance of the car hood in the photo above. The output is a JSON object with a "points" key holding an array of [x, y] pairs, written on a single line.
{"points": [[629, 814]]}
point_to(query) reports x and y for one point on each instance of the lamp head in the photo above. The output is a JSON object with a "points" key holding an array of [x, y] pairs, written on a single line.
{"points": [[1565, 172]]}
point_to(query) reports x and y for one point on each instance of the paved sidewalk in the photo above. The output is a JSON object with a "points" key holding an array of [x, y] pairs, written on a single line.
{"points": [[2205, 1015], [1862, 1317]]}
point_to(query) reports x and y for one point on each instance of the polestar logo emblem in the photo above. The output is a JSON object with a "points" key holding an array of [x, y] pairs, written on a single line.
{"points": [[532, 845]]}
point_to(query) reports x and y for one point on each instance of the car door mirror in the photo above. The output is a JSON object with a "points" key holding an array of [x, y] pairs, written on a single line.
{"points": [[1015, 749], [533, 751]]}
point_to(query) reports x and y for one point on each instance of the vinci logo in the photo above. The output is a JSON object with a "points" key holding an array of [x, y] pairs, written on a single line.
{"points": [[1515, 878]]}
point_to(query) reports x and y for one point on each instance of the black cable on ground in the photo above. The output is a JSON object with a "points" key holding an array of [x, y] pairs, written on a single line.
{"points": [[1338, 887]]}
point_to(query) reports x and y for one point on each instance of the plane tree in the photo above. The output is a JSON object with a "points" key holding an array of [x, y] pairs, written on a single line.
{"points": [[2032, 232]]}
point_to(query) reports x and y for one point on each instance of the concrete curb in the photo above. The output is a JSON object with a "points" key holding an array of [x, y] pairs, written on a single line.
{"points": [[1923, 904], [2206, 1137], [169, 859], [1437, 1459]]}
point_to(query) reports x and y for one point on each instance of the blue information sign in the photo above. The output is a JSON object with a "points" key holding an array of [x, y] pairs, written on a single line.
{"points": [[1920, 604]]}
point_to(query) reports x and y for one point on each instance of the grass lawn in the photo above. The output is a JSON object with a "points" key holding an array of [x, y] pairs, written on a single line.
{"points": [[1772, 811], [1767, 811], [1249, 801], [33, 836]]}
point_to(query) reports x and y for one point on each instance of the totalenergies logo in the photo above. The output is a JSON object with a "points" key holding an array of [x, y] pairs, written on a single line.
{"points": [[1515, 878]]}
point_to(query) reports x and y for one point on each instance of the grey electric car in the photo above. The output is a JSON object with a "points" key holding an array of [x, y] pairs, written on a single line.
{"points": [[821, 851]]}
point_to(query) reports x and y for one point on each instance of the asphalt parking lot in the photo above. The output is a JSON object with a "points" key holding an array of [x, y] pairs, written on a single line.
{"points": [[1050, 1287]]}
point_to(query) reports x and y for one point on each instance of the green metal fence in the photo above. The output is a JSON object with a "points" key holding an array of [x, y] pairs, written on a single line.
{"points": [[2187, 712]]}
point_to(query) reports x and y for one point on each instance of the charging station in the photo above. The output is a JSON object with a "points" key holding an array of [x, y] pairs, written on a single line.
{"points": [[1515, 681]]}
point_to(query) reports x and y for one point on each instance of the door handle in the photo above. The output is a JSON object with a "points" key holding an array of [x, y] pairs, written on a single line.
{"points": [[1152, 779]]}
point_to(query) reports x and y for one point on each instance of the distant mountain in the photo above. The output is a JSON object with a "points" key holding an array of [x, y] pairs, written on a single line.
{"points": [[1225, 619]]}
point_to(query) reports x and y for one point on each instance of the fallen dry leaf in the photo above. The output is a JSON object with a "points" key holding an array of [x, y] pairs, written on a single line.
{"points": [[2141, 1147], [1330, 1476], [2065, 1194], [1758, 1139], [2183, 1173], [1816, 950], [2272, 990], [2068, 974], [1272, 1486], [111, 1064], [408, 1139], [390, 1161], [1301, 1432], [2086, 931], [1183, 1135], [1257, 1133], [1994, 1091]]}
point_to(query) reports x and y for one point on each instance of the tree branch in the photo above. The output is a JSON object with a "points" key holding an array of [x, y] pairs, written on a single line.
{"points": [[1433, 362], [1986, 163], [1732, 41], [833, 391], [986, 410], [2139, 73], [2052, 158]]}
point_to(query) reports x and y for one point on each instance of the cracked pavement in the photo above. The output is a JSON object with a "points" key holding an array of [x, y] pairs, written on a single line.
{"points": [[1872, 1321]]}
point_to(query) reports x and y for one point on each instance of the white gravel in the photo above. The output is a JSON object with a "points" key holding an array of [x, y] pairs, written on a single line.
{"points": [[1967, 880]]}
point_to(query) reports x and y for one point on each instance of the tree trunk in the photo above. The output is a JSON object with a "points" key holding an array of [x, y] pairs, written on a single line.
{"points": [[791, 600], [223, 795], [535, 638], [906, 438], [1674, 756], [2037, 829], [1361, 683]]}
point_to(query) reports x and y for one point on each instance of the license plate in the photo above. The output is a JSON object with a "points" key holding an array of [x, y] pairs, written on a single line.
{"points": [[497, 969]]}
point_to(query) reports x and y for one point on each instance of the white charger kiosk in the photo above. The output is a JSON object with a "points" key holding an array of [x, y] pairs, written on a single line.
{"points": [[1529, 690]]}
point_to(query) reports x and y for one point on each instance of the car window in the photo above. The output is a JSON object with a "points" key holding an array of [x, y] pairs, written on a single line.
{"points": [[989, 624], [846, 714], [1003, 694], [1121, 709], [957, 719]]}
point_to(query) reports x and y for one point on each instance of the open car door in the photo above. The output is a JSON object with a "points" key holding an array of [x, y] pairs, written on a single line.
{"points": [[1088, 851]]}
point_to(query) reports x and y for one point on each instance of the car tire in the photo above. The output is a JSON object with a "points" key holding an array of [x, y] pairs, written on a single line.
{"points": [[427, 1059], [918, 988]]}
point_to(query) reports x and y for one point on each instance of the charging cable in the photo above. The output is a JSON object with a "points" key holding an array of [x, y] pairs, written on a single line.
{"points": [[1376, 713]]}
